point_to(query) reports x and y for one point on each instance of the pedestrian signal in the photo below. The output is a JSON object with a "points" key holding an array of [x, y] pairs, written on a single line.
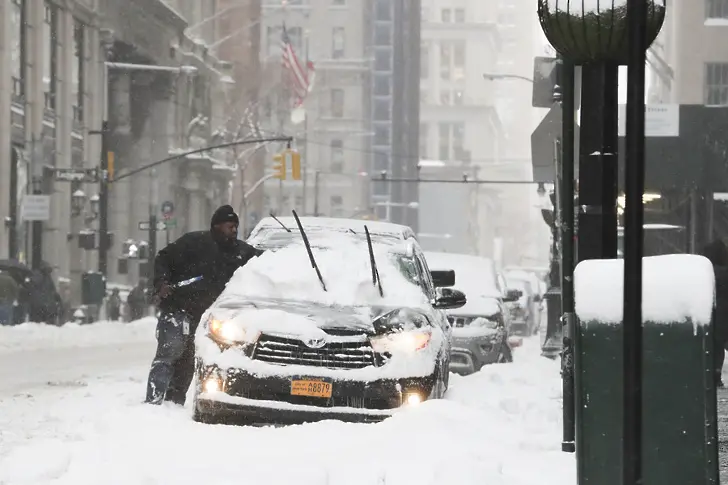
{"points": [[279, 167]]}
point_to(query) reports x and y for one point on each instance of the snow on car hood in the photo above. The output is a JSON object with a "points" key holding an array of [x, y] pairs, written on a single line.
{"points": [[477, 305], [346, 270], [295, 318]]}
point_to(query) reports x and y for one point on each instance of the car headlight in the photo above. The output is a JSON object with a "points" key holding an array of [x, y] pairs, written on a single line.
{"points": [[410, 341], [230, 331]]}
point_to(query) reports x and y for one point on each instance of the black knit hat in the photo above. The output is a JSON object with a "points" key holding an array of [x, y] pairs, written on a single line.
{"points": [[224, 214]]}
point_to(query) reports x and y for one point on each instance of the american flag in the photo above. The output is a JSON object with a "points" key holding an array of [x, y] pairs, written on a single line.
{"points": [[300, 76]]}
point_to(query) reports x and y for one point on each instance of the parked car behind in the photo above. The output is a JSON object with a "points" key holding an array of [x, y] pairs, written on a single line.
{"points": [[482, 327]]}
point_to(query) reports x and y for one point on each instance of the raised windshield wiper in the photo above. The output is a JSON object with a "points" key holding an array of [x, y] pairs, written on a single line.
{"points": [[351, 231], [279, 222], [375, 272], [310, 253]]}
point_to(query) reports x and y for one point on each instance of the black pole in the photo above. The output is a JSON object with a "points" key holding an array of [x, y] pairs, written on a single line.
{"points": [[104, 201], [152, 245], [610, 164], [37, 234], [566, 205], [633, 243], [14, 216]]}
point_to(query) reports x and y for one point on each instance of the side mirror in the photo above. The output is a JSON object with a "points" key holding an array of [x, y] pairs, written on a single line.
{"points": [[443, 278], [449, 299], [513, 295]]}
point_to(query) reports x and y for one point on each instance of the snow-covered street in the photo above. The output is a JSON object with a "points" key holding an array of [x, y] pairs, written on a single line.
{"points": [[71, 412]]}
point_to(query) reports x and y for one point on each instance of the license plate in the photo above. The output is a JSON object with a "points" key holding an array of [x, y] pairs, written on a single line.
{"points": [[311, 388]]}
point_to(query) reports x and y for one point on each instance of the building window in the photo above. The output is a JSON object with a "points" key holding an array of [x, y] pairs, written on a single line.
{"points": [[17, 46], [338, 3], [337, 206], [383, 35], [337, 156], [382, 110], [381, 85], [458, 98], [50, 54], [299, 203], [79, 69], [424, 131], [458, 61], [445, 60], [445, 98], [424, 95], [460, 15], [716, 84], [444, 144], [716, 9], [337, 103], [338, 42], [383, 10], [446, 15], [424, 60], [382, 60], [382, 135], [458, 140]]}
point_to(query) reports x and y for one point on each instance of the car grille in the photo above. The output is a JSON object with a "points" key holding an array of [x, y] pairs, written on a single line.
{"points": [[459, 322], [334, 355]]}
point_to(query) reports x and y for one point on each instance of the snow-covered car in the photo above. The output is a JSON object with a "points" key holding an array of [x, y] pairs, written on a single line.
{"points": [[269, 229], [336, 327], [482, 327], [525, 310]]}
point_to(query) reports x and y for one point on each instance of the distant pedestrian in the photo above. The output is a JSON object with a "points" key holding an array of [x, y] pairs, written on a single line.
{"points": [[9, 294], [45, 302], [137, 301], [113, 306], [717, 253]]}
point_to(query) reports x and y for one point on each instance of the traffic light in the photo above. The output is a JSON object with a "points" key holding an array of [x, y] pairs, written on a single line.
{"points": [[295, 160], [279, 167]]}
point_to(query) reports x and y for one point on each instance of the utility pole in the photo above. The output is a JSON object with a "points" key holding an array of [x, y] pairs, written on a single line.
{"points": [[37, 226], [104, 199], [153, 209], [12, 221]]}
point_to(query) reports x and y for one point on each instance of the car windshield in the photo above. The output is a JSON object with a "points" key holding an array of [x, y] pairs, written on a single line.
{"points": [[316, 236]]}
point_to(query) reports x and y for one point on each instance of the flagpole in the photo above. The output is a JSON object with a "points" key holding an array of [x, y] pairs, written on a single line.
{"points": [[305, 131]]}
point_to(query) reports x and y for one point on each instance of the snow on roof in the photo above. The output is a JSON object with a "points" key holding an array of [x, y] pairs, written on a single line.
{"points": [[344, 264], [474, 275], [676, 287], [379, 227]]}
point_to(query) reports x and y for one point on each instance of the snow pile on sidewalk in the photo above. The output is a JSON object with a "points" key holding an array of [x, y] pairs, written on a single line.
{"points": [[35, 336], [499, 426]]}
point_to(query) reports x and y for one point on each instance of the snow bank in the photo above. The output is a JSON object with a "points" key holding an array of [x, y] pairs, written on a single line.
{"points": [[34, 336], [500, 426], [676, 287], [345, 267]]}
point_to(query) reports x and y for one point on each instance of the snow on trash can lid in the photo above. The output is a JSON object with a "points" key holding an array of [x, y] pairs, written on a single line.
{"points": [[675, 288]]}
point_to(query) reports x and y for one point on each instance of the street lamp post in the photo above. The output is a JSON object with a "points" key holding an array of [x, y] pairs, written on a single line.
{"points": [[595, 37]]}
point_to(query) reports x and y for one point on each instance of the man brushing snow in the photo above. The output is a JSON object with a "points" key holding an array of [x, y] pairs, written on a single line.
{"points": [[189, 275]]}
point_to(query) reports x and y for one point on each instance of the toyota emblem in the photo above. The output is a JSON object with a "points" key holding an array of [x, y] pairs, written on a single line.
{"points": [[315, 343]]}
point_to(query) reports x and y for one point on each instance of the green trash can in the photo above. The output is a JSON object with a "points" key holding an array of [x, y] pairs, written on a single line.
{"points": [[680, 435]]}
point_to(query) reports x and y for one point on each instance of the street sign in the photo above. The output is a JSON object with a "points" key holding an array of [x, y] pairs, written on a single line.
{"points": [[660, 120], [144, 226], [86, 175], [542, 145], [36, 208], [167, 209]]}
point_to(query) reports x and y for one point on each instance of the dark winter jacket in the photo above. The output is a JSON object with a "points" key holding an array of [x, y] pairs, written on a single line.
{"points": [[717, 253], [198, 254]]}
